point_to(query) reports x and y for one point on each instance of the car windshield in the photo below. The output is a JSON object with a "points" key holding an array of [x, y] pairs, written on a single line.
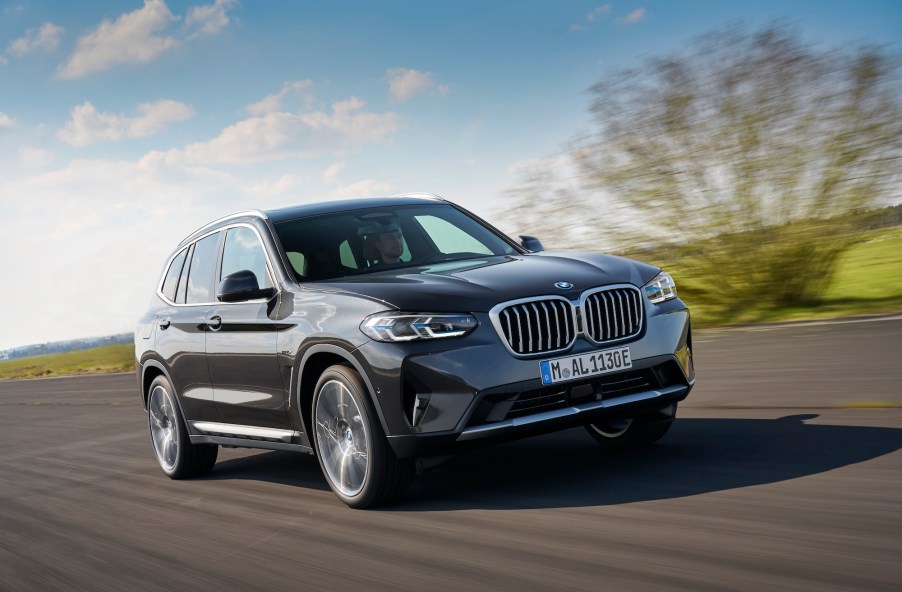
{"points": [[370, 240]]}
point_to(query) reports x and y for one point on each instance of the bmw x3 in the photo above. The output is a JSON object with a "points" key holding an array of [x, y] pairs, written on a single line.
{"points": [[385, 334]]}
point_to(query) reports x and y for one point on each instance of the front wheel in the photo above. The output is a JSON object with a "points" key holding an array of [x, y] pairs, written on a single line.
{"points": [[353, 453], [178, 457], [634, 432]]}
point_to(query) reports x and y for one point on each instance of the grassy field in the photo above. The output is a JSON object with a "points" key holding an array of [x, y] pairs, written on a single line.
{"points": [[868, 281], [108, 358]]}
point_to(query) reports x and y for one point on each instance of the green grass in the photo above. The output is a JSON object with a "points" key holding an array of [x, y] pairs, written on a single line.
{"points": [[868, 281], [107, 358], [871, 270]]}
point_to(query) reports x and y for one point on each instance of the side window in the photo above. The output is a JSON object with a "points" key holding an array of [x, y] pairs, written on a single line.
{"points": [[243, 251], [200, 277], [346, 255], [183, 279], [298, 262], [449, 238], [172, 276]]}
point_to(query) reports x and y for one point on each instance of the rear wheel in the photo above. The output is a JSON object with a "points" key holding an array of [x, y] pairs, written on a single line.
{"points": [[634, 432], [353, 453], [178, 457]]}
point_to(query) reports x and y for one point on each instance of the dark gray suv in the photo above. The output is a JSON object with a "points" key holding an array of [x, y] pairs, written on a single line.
{"points": [[385, 334]]}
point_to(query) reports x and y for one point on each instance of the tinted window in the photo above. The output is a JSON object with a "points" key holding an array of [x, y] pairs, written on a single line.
{"points": [[450, 238], [200, 277], [172, 276], [183, 279], [361, 241], [298, 262], [243, 251]]}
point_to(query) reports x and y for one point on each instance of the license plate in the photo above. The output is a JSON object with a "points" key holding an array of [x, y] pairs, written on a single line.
{"points": [[583, 365]]}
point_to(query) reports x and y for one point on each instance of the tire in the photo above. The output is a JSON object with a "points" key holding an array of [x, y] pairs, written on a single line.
{"points": [[177, 456], [351, 447], [636, 432]]}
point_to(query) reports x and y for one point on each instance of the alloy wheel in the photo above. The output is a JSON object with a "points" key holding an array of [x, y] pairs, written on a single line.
{"points": [[341, 438]]}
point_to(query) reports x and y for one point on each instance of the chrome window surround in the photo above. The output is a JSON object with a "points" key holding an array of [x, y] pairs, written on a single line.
{"points": [[582, 307], [421, 194], [495, 316], [255, 213], [269, 265], [576, 308]]}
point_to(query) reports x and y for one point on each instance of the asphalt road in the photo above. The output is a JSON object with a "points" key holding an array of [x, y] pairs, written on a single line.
{"points": [[781, 474]]}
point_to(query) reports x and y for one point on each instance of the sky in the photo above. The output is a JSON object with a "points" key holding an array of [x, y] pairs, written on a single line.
{"points": [[125, 125]]}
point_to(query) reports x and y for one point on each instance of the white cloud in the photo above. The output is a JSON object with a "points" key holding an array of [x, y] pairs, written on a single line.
{"points": [[633, 17], [130, 39], [89, 126], [34, 158], [597, 13], [333, 172], [3, 61], [209, 19], [46, 39], [276, 191], [273, 102], [113, 221], [404, 83], [364, 188], [13, 9], [283, 135], [6, 121]]}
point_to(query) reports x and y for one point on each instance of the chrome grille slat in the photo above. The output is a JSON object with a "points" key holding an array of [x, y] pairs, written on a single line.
{"points": [[519, 346], [548, 327], [607, 318], [538, 325], [623, 330]]}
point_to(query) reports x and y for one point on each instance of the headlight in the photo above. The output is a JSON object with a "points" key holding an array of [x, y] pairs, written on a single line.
{"points": [[403, 326], [660, 289]]}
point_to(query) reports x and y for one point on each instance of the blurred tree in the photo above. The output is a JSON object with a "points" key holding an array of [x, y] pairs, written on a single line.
{"points": [[745, 156]]}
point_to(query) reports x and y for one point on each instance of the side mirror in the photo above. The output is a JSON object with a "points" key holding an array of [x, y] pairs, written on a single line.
{"points": [[531, 243], [240, 287]]}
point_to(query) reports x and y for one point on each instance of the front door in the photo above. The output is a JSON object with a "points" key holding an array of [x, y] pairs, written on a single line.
{"points": [[242, 343]]}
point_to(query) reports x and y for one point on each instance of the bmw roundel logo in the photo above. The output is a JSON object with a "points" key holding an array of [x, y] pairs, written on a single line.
{"points": [[563, 285]]}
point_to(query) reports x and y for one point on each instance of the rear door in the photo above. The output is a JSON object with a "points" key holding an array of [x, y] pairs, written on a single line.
{"points": [[242, 342], [180, 336]]}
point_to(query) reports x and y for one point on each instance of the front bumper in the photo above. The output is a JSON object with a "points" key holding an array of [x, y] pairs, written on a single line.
{"points": [[438, 398]]}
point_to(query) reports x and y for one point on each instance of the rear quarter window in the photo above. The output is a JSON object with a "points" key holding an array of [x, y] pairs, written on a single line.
{"points": [[200, 276], [170, 284]]}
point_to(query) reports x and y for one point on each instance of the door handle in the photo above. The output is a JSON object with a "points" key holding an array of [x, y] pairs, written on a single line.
{"points": [[164, 324], [214, 323]]}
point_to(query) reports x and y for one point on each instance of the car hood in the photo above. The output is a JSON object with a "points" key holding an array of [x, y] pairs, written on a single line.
{"points": [[476, 285]]}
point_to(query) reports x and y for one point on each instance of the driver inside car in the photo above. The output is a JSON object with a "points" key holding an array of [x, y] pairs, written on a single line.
{"points": [[388, 243]]}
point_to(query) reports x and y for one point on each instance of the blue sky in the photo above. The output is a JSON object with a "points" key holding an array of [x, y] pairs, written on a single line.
{"points": [[124, 125]]}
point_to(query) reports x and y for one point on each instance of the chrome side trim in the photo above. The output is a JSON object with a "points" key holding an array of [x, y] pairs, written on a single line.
{"points": [[422, 194], [255, 213], [491, 429], [242, 431], [245, 443]]}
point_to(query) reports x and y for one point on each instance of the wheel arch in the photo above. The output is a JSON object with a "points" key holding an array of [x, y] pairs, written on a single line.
{"points": [[313, 363], [152, 369]]}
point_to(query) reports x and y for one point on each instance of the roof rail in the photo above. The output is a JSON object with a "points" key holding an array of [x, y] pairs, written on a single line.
{"points": [[422, 194], [256, 213]]}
